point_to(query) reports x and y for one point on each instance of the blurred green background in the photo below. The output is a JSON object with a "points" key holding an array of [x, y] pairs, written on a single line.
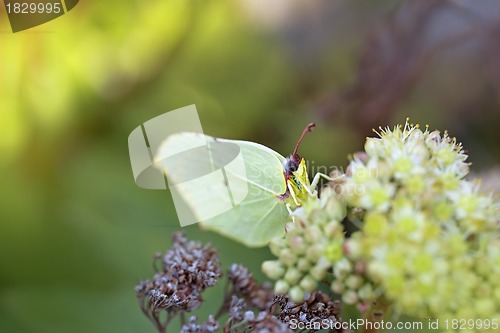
{"points": [[77, 234]]}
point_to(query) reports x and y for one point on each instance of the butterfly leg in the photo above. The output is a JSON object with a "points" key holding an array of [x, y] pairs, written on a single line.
{"points": [[317, 178], [292, 193]]}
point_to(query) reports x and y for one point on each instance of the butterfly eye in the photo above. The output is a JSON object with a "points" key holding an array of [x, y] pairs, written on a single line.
{"points": [[289, 164], [292, 166]]}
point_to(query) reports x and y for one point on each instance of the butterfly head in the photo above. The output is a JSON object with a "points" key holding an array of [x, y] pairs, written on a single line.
{"points": [[291, 163]]}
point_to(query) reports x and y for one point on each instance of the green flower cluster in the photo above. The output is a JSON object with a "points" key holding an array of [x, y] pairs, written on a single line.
{"points": [[428, 238], [304, 254], [352, 282]]}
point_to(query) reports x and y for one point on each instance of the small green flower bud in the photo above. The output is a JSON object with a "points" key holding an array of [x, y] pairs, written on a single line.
{"points": [[467, 205], [380, 196], [396, 285], [292, 276], [308, 283], [332, 229], [324, 263], [287, 257], [375, 223], [312, 233], [276, 245], [443, 211], [366, 292], [423, 263], [352, 248], [311, 206], [318, 273], [335, 209], [354, 281], [334, 252], [315, 252], [373, 147], [303, 264], [361, 174], [350, 297], [273, 269], [403, 165], [343, 265], [297, 295], [446, 156], [462, 169], [298, 245], [432, 141], [415, 184], [396, 260], [281, 287], [485, 307], [337, 287]]}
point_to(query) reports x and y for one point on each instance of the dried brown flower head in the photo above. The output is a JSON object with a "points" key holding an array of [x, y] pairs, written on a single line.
{"points": [[245, 286], [242, 320], [316, 308], [187, 269], [211, 325]]}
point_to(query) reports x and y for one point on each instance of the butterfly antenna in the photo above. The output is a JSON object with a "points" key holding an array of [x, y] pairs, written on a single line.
{"points": [[306, 130]]}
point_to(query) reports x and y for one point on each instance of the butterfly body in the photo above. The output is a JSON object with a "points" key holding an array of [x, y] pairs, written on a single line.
{"points": [[298, 186]]}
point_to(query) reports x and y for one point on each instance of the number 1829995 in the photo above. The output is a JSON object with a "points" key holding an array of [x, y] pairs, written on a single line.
{"points": [[33, 8]]}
